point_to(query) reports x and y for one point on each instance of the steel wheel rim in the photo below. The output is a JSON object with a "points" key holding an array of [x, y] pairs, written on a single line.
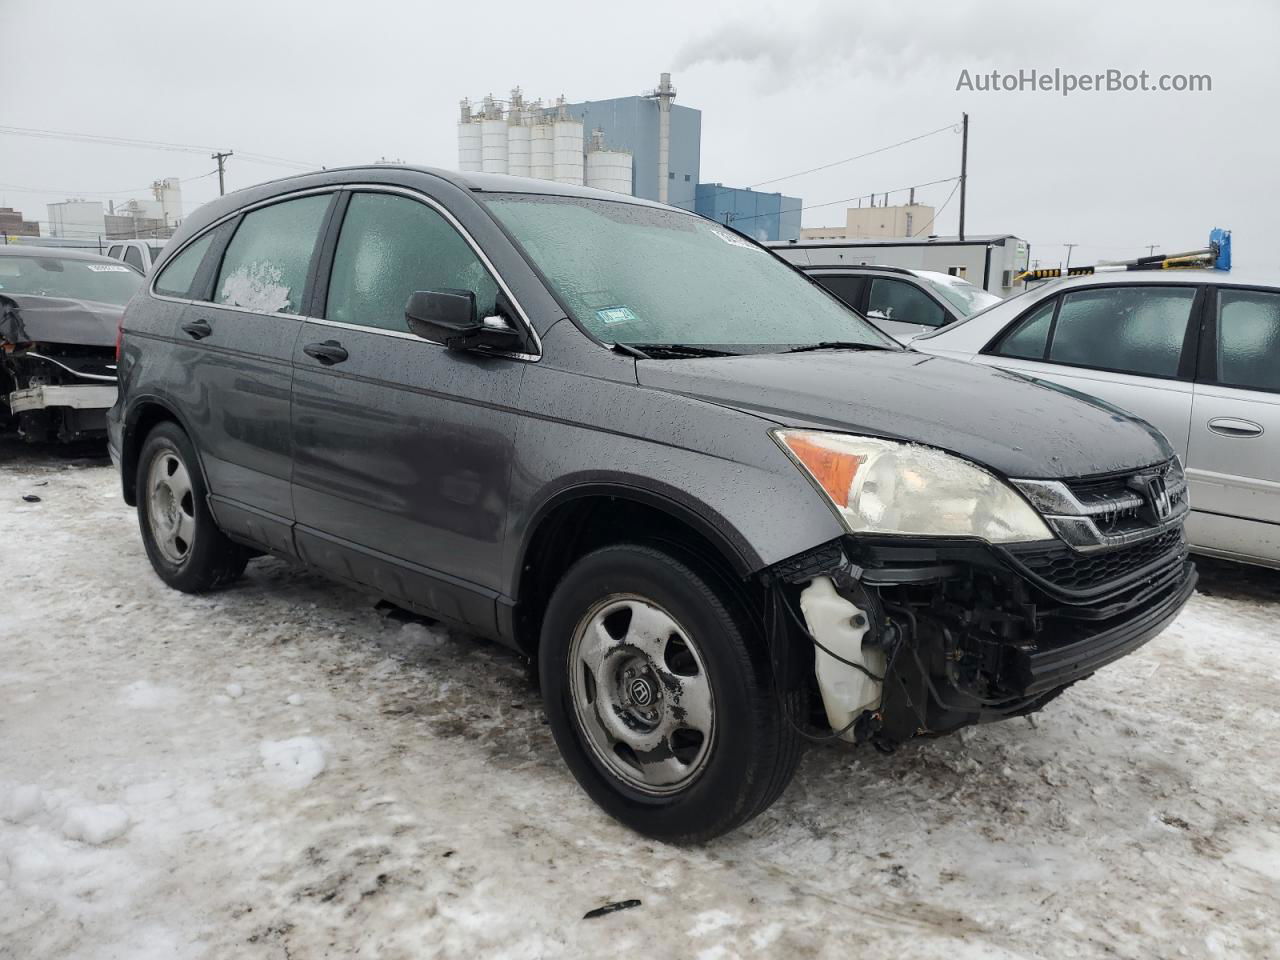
{"points": [[641, 694], [171, 506]]}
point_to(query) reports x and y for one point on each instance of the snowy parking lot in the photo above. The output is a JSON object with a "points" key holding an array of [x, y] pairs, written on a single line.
{"points": [[281, 769]]}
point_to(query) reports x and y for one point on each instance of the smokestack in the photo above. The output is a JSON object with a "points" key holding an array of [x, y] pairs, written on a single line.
{"points": [[664, 95]]}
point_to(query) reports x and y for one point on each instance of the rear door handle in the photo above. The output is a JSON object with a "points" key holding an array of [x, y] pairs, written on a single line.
{"points": [[1232, 427], [199, 329], [329, 352]]}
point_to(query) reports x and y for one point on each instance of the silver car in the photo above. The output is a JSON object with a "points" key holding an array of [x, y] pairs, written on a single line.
{"points": [[903, 303], [1197, 353]]}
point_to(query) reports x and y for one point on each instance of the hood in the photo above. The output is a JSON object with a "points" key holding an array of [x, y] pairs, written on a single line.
{"points": [[1013, 425], [31, 319]]}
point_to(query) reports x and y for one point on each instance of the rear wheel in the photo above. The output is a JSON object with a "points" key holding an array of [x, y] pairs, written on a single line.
{"points": [[182, 540], [661, 708]]}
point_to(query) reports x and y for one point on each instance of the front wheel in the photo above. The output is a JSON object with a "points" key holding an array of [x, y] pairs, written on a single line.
{"points": [[182, 540], [663, 710]]}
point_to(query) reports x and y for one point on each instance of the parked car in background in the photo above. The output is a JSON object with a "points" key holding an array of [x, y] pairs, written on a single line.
{"points": [[1195, 352], [59, 314], [642, 450], [903, 303], [139, 254]]}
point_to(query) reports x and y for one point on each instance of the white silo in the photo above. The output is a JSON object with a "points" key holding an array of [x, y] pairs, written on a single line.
{"points": [[493, 138], [568, 147], [519, 134], [469, 149], [608, 169], [542, 148]]}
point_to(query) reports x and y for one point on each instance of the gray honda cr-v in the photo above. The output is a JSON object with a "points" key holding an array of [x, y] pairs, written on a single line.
{"points": [[724, 513]]}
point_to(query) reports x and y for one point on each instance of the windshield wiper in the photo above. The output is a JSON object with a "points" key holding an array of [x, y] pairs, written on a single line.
{"points": [[838, 345], [681, 349], [630, 351]]}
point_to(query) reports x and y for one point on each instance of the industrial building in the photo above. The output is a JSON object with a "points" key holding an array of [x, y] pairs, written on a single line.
{"points": [[12, 224], [764, 216], [645, 145], [153, 218], [904, 220], [531, 139]]}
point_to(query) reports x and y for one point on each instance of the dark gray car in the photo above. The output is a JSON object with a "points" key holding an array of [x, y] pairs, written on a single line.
{"points": [[724, 513]]}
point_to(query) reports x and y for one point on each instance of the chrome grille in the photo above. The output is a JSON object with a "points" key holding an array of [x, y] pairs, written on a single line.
{"points": [[1098, 513]]}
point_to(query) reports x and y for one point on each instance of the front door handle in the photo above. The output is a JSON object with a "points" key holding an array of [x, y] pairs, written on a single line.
{"points": [[198, 329], [329, 352], [1233, 427]]}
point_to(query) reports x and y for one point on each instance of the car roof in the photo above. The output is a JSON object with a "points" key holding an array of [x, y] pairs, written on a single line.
{"points": [[56, 253], [472, 181], [854, 268], [1246, 278]]}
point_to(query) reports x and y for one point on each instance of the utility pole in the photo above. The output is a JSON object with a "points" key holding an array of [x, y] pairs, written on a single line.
{"points": [[964, 167], [220, 157], [1069, 247]]}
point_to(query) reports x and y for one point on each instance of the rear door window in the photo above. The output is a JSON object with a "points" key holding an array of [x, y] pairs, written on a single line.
{"points": [[1029, 339], [848, 289], [392, 246], [265, 266], [1138, 329], [133, 257], [175, 279], [903, 302], [1248, 348]]}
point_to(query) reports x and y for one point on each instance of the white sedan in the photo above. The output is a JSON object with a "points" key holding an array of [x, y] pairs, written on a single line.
{"points": [[1195, 352]]}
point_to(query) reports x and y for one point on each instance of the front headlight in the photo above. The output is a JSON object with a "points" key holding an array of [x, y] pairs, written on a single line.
{"points": [[882, 486]]}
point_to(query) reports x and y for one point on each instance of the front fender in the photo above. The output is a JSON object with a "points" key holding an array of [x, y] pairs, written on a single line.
{"points": [[714, 467]]}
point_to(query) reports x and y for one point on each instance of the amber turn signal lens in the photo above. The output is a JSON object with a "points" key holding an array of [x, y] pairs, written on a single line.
{"points": [[833, 469]]}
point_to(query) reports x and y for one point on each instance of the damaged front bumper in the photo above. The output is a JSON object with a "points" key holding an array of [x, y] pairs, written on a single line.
{"points": [[917, 638], [72, 396]]}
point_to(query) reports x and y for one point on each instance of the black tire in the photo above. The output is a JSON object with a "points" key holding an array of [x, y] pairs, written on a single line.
{"points": [[209, 560], [753, 750]]}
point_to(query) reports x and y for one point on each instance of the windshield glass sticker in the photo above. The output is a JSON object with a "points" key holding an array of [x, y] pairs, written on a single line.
{"points": [[106, 268], [733, 239], [612, 316]]}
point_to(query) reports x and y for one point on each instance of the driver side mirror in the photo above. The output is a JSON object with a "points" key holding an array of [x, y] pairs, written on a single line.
{"points": [[450, 317]]}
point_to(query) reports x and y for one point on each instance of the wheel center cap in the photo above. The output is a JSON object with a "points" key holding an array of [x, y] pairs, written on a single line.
{"points": [[642, 692]]}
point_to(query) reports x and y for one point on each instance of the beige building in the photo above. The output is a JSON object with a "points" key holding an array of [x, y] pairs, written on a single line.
{"points": [[907, 220]]}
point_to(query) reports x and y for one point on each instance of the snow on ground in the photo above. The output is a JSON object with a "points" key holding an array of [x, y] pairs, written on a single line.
{"points": [[279, 770]]}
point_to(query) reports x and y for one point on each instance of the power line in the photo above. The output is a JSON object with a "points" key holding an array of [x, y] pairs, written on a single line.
{"points": [[860, 156], [101, 139], [832, 203], [934, 219], [834, 163], [95, 193]]}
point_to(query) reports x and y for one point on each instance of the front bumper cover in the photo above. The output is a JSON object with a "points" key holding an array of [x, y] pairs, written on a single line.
{"points": [[72, 396]]}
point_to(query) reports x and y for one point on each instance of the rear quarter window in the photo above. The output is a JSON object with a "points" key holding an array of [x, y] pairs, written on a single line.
{"points": [[175, 279]]}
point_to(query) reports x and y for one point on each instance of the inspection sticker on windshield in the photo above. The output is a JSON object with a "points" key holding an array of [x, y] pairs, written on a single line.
{"points": [[616, 315], [106, 268]]}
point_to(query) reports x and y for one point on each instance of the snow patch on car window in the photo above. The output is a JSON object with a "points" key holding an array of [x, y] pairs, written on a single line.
{"points": [[256, 286]]}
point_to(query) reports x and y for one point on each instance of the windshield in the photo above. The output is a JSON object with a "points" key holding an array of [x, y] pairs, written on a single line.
{"points": [[74, 279], [641, 275], [961, 294]]}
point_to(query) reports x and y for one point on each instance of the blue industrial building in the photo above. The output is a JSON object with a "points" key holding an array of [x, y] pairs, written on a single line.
{"points": [[765, 216], [631, 123]]}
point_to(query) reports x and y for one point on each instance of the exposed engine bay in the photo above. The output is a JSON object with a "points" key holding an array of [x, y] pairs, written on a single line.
{"points": [[923, 639], [57, 367]]}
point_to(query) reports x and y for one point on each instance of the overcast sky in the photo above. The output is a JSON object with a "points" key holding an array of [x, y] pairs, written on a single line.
{"points": [[782, 87]]}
